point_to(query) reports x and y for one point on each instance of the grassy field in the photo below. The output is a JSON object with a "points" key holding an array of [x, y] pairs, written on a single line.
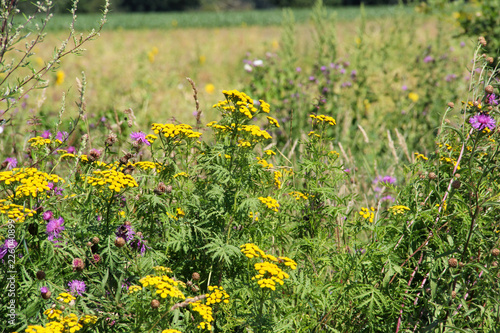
{"points": [[180, 20]]}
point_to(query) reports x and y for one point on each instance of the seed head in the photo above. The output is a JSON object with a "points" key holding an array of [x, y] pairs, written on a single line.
{"points": [[94, 155], [432, 176], [155, 304], [120, 242], [489, 89], [453, 294], [495, 252], [490, 60], [451, 105], [89, 244], [195, 276], [40, 275], [95, 240], [456, 184], [452, 262]]}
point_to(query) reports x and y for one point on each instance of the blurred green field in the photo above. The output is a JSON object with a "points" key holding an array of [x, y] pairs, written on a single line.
{"points": [[171, 20]]}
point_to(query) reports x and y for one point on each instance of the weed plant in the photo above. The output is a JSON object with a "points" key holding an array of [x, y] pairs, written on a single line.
{"points": [[212, 227]]}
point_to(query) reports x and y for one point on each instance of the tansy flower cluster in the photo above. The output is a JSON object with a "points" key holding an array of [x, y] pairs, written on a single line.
{"points": [[367, 214], [271, 203], [114, 180], [205, 312], [65, 297], [217, 295], [163, 285], [273, 122], [420, 156], [268, 271], [171, 330], [398, 209], [15, 212], [33, 182], [324, 119], [242, 103], [298, 195], [38, 142], [146, 165], [451, 161], [264, 163], [177, 132], [62, 324]]}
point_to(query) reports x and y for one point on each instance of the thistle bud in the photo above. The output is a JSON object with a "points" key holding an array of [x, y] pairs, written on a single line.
{"points": [[490, 60], [432, 176], [111, 139], [489, 89], [453, 294], [495, 252], [120, 242], [78, 264], [40, 275], [195, 276], [482, 41], [94, 155], [95, 240], [452, 262], [155, 304], [456, 184], [451, 105], [46, 293]]}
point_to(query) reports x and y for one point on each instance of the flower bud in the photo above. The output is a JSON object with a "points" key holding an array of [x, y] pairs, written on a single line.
{"points": [[195, 276], [432, 176], [120, 242], [40, 275], [95, 240], [111, 139], [452, 262], [482, 40], [155, 304], [160, 189], [495, 252], [456, 184], [451, 105], [78, 264], [489, 89], [47, 294], [453, 294]]}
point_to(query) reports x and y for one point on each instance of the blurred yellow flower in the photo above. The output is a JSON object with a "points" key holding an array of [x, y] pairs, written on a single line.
{"points": [[413, 96], [275, 44], [202, 59], [175, 23], [60, 77], [210, 88]]}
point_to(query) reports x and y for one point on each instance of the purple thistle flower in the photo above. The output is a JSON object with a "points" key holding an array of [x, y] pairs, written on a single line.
{"points": [[482, 121], [54, 228], [46, 134], [103, 119], [47, 215], [450, 77], [8, 244], [428, 59], [387, 198], [125, 231], [323, 68], [404, 87], [312, 78], [492, 99], [462, 44], [342, 71], [10, 163], [62, 136], [139, 137], [44, 290], [298, 69], [346, 84], [384, 180], [57, 190], [76, 287], [71, 150]]}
